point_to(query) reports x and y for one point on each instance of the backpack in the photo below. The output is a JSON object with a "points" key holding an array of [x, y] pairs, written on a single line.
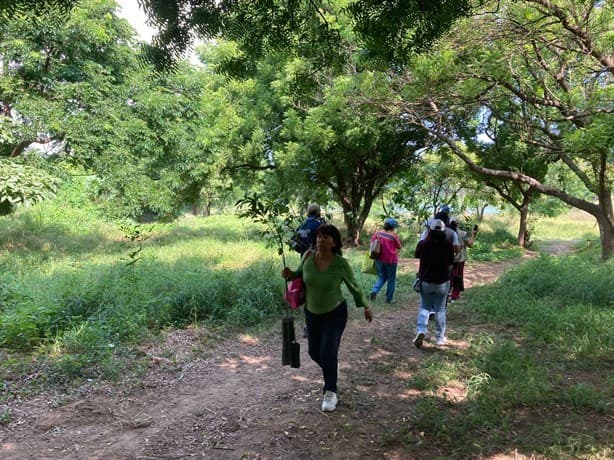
{"points": [[304, 237], [298, 244]]}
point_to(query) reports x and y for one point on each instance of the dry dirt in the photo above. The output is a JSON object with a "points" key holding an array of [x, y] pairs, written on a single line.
{"points": [[233, 399]]}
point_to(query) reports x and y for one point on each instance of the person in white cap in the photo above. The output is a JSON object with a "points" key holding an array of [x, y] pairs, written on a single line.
{"points": [[436, 256]]}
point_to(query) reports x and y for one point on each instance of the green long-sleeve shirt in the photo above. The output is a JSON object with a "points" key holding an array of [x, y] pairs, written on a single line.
{"points": [[324, 288]]}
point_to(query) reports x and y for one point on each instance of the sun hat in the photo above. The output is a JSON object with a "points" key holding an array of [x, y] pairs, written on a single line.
{"points": [[391, 222], [437, 225]]}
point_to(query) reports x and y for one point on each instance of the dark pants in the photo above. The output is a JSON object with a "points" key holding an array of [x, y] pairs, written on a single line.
{"points": [[458, 285], [324, 338]]}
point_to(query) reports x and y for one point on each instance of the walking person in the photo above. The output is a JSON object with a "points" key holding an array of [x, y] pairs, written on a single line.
{"points": [[458, 267], [388, 259], [305, 236], [436, 256], [326, 311], [444, 215]]}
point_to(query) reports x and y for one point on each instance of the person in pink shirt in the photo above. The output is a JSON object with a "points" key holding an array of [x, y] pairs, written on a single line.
{"points": [[388, 259]]}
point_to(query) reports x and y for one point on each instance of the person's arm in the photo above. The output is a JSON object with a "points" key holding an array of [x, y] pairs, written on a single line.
{"points": [[359, 298], [290, 274], [418, 249], [451, 254]]}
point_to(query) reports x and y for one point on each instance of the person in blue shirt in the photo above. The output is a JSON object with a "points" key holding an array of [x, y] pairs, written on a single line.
{"points": [[305, 237]]}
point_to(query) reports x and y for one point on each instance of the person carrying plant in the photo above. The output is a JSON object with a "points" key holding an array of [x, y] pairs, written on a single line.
{"points": [[326, 312]]}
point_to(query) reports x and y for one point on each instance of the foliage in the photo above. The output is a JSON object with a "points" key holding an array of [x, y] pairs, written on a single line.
{"points": [[22, 184], [438, 178], [345, 145], [550, 329], [94, 305], [274, 215], [510, 80], [389, 30]]}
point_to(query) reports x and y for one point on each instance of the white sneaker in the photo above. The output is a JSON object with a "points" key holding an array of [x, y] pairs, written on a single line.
{"points": [[419, 338], [441, 341], [329, 403]]}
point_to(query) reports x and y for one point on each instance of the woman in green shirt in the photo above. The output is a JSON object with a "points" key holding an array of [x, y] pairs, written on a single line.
{"points": [[326, 313]]}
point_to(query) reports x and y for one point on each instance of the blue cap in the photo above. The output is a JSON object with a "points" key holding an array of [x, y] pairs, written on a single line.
{"points": [[391, 222], [445, 208]]}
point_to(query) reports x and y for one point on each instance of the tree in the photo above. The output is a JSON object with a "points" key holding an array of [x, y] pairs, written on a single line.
{"points": [[75, 78], [59, 68], [390, 30], [310, 132], [438, 178], [544, 70], [345, 145]]}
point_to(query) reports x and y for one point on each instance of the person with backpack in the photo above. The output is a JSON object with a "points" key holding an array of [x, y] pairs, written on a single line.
{"points": [[388, 259], [305, 238]]}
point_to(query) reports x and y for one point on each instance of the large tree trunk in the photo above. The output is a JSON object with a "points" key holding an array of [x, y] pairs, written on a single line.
{"points": [[353, 232], [480, 212], [523, 227], [606, 233], [605, 219]]}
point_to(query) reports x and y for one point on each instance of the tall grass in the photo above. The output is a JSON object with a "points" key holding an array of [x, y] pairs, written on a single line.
{"points": [[77, 290], [539, 363]]}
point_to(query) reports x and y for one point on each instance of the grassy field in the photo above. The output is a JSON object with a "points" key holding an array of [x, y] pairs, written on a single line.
{"points": [[79, 294]]}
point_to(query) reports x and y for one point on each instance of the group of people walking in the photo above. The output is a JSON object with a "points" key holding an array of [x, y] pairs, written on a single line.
{"points": [[442, 253], [324, 269]]}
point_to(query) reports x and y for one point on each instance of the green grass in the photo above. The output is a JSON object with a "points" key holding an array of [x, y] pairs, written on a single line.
{"points": [[538, 376], [77, 292], [78, 295]]}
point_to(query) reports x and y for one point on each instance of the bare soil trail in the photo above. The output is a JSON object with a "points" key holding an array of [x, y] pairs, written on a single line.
{"points": [[232, 399]]}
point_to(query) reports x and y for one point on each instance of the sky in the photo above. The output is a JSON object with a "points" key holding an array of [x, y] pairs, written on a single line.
{"points": [[129, 9]]}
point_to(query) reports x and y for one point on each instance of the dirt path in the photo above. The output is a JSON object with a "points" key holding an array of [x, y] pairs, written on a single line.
{"points": [[235, 401]]}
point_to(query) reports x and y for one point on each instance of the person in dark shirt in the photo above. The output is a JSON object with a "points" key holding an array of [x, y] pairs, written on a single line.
{"points": [[436, 256], [305, 237]]}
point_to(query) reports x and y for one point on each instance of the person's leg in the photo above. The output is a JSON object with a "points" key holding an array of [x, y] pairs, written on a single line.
{"points": [[461, 276], [381, 279], [391, 277], [439, 305], [332, 330], [426, 302], [456, 280], [314, 335]]}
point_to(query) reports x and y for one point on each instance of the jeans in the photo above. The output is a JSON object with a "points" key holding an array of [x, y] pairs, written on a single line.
{"points": [[386, 273], [324, 337], [433, 297]]}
